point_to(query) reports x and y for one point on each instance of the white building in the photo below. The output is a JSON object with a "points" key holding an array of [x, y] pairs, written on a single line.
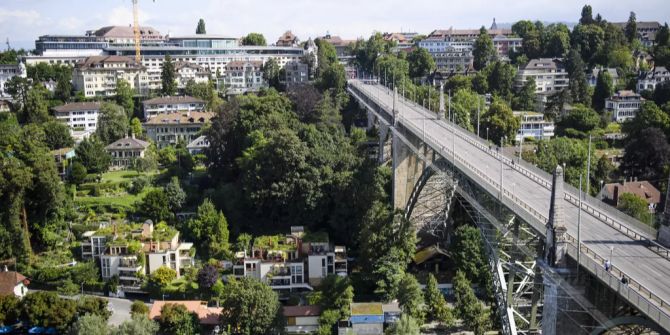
{"points": [[648, 80], [79, 116], [186, 72], [533, 125], [301, 319], [98, 75], [12, 282], [244, 76], [624, 105], [7, 72], [171, 104], [198, 145], [450, 55], [593, 78], [125, 151], [173, 128], [296, 73], [549, 75]]}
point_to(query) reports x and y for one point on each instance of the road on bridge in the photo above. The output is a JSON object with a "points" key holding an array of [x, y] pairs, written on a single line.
{"points": [[632, 256]]}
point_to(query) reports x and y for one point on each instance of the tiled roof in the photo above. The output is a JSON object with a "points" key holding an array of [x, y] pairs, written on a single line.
{"points": [[207, 315], [9, 280], [182, 99], [311, 310], [127, 32], [128, 143], [287, 39], [624, 94], [642, 189], [181, 118], [443, 33], [180, 65], [77, 106], [239, 63], [96, 60], [543, 63]]}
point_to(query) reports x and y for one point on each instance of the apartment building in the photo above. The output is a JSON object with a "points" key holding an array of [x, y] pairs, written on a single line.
{"points": [[296, 73], [593, 77], [171, 104], [648, 80], [124, 152], [173, 128], [79, 116], [198, 145], [624, 105], [533, 125], [504, 44], [130, 251], [297, 261], [186, 72], [98, 75], [549, 74], [244, 76], [9, 71], [288, 39], [646, 31]]}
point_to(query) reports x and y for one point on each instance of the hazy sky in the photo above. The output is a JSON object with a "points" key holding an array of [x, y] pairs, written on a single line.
{"points": [[23, 20]]}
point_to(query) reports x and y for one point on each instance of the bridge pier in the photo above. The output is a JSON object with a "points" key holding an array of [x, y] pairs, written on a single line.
{"points": [[407, 168], [664, 229]]}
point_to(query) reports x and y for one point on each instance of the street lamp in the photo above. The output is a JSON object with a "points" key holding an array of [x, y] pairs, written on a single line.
{"points": [[487, 134]]}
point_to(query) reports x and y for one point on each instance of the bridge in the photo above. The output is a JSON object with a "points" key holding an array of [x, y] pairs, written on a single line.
{"points": [[528, 217]]}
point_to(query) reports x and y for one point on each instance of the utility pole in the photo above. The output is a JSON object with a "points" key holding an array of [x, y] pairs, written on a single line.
{"points": [[450, 107], [579, 226], [588, 169], [478, 110]]}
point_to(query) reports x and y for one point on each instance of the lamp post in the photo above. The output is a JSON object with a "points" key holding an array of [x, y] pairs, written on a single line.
{"points": [[487, 134], [579, 226], [588, 169]]}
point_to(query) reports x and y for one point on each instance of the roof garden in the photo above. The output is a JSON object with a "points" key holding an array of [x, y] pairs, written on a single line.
{"points": [[320, 236], [121, 229], [273, 242], [368, 308], [163, 232]]}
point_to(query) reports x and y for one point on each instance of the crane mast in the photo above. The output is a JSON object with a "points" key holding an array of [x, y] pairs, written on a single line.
{"points": [[136, 31]]}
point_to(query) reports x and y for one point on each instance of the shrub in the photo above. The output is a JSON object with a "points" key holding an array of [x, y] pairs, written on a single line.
{"points": [[138, 185]]}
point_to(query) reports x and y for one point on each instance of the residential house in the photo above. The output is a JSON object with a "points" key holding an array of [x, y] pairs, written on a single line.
{"points": [[187, 71], [63, 158], [404, 41], [341, 47], [593, 77], [209, 317], [288, 39], [451, 56], [98, 75], [9, 71], [124, 152], [366, 319], [296, 73], [12, 282], [648, 80], [244, 76], [301, 319], [198, 145], [646, 31], [643, 189], [171, 104], [533, 125], [506, 44], [624, 105], [549, 74], [172, 128], [132, 251], [78, 116], [298, 261]]}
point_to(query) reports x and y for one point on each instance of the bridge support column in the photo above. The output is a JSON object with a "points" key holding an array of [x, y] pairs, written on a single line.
{"points": [[555, 252], [664, 229], [407, 168], [383, 137]]}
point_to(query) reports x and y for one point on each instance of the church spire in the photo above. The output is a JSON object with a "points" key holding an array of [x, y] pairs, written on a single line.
{"points": [[494, 25]]}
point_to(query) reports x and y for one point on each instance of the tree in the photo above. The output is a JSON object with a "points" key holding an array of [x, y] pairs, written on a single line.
{"points": [[90, 324], [211, 229], [662, 93], [464, 106], [207, 277], [136, 127], [162, 277], [421, 63], [93, 306], [578, 87], [57, 135], [63, 90], [139, 308], [156, 205], [467, 252], [649, 116], [112, 123], [337, 294], [631, 28], [579, 122], [78, 173], [175, 319], [271, 72], [201, 27], [556, 40], [500, 121], [525, 99], [482, 50], [91, 153], [647, 156], [36, 109], [9, 309], [18, 88], [587, 15], [635, 206], [46, 309], [405, 326], [124, 97], [501, 78], [436, 306], [254, 39], [250, 306], [468, 307], [588, 40], [603, 90], [333, 77], [175, 194], [410, 297], [168, 75], [138, 325]]}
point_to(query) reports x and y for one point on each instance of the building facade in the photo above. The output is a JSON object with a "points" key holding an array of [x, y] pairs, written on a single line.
{"points": [[296, 73], [198, 145], [244, 76], [533, 125], [9, 71], [125, 151], [593, 77], [173, 128], [171, 104], [98, 75], [549, 74], [648, 80], [186, 72], [624, 105], [79, 116]]}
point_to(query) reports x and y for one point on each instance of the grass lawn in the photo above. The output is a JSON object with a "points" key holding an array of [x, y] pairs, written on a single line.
{"points": [[125, 200], [124, 175]]}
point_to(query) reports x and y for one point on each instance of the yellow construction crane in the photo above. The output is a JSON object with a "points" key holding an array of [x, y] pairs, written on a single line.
{"points": [[136, 31]]}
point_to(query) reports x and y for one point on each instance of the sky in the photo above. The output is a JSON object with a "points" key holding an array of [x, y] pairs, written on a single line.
{"points": [[22, 21]]}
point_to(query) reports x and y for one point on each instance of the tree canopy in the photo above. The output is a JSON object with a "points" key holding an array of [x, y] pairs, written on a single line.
{"points": [[254, 39], [200, 29]]}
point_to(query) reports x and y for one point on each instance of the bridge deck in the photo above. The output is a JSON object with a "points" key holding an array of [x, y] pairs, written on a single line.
{"points": [[631, 256]]}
